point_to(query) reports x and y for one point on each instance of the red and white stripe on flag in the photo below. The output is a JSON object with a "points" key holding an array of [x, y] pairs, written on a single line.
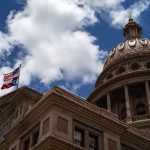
{"points": [[9, 76]]}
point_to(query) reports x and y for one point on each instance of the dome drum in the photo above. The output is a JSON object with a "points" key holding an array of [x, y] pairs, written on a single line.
{"points": [[119, 81], [124, 68]]}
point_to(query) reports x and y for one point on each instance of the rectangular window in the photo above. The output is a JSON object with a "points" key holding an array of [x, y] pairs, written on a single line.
{"points": [[45, 126], [30, 139], [26, 144], [93, 145], [62, 125], [35, 138], [79, 136]]}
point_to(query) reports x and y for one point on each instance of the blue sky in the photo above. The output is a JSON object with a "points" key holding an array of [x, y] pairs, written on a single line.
{"points": [[65, 42]]}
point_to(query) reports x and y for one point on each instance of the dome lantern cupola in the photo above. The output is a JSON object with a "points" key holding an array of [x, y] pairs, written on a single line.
{"points": [[132, 30]]}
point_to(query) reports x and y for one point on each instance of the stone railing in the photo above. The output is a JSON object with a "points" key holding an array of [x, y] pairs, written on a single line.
{"points": [[141, 117], [108, 114], [97, 109]]}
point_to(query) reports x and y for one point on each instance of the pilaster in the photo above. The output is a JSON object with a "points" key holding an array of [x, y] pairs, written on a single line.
{"points": [[108, 102]]}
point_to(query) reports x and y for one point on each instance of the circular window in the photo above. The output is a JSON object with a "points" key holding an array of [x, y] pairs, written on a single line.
{"points": [[109, 76]]}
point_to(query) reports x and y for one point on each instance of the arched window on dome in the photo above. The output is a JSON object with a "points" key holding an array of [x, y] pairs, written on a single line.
{"points": [[135, 66], [140, 109], [120, 70], [148, 65], [109, 76]]}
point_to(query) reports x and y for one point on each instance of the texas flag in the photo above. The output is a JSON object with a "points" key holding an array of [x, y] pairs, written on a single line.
{"points": [[11, 79]]}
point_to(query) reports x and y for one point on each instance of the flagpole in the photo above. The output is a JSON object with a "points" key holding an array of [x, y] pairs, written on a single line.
{"points": [[19, 75]]}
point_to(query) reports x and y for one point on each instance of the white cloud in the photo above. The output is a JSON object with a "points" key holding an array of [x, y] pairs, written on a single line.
{"points": [[57, 47], [53, 37], [119, 15], [103, 4], [4, 43], [115, 13]]}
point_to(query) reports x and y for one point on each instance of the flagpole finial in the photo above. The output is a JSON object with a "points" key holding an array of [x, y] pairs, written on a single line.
{"points": [[130, 15]]}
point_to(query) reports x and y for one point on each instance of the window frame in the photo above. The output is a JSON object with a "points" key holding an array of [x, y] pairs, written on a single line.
{"points": [[82, 132], [96, 138], [29, 136], [89, 130]]}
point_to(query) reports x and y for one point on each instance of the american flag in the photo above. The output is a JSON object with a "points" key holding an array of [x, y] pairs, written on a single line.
{"points": [[11, 79], [10, 76]]}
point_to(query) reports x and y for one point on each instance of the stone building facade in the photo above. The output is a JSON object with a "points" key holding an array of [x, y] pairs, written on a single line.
{"points": [[115, 116]]}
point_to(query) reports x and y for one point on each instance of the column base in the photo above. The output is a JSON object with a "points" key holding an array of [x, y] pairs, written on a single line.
{"points": [[129, 120]]}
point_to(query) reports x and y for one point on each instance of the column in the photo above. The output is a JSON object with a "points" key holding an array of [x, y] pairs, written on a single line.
{"points": [[147, 94], [128, 105], [108, 102]]}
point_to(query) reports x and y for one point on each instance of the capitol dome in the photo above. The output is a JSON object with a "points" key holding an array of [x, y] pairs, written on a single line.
{"points": [[123, 87], [134, 47]]}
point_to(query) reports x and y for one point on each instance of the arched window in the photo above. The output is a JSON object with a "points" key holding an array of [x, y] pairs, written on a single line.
{"points": [[148, 65], [135, 66], [120, 70], [140, 109], [109, 76]]}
